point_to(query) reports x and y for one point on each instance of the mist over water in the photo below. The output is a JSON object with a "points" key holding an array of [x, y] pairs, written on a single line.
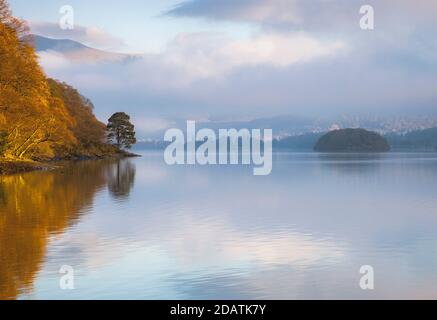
{"points": [[139, 229]]}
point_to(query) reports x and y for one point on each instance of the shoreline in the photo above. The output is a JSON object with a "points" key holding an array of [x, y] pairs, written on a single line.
{"points": [[10, 167]]}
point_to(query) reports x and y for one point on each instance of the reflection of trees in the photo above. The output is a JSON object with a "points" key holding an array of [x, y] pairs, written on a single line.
{"points": [[351, 162], [121, 178], [3, 198], [32, 207]]}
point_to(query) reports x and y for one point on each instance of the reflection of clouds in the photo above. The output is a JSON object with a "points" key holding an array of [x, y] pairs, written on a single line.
{"points": [[89, 251], [196, 245], [219, 244], [220, 233], [204, 213], [151, 174], [155, 171], [191, 253], [280, 282]]}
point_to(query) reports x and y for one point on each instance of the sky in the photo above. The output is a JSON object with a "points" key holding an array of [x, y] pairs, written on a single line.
{"points": [[218, 60], [140, 25]]}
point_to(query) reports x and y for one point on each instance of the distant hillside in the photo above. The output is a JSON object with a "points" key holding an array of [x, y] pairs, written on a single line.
{"points": [[282, 126], [352, 140], [74, 50], [162, 145], [420, 140], [304, 142], [44, 44], [151, 145]]}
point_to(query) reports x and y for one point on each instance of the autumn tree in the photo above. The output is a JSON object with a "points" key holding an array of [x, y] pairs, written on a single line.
{"points": [[121, 131], [24, 95], [89, 132], [31, 118], [3, 141], [9, 20], [40, 118]]}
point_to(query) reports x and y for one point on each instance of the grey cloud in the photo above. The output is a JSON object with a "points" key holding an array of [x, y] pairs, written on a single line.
{"points": [[389, 70], [149, 88], [244, 10], [318, 14]]}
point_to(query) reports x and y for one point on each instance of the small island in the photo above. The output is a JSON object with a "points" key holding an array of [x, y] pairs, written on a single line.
{"points": [[352, 140]]}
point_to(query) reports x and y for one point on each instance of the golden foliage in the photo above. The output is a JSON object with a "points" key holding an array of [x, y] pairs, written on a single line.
{"points": [[40, 117], [87, 130]]}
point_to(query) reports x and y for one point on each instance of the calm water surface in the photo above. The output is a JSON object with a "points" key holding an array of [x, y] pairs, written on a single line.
{"points": [[139, 229]]}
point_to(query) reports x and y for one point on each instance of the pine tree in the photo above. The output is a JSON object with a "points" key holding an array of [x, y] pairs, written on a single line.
{"points": [[121, 131]]}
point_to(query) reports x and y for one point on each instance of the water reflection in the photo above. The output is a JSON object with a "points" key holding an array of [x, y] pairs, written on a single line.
{"points": [[121, 179], [38, 205], [191, 232], [3, 198]]}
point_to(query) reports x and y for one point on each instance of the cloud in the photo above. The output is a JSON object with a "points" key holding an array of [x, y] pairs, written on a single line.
{"points": [[90, 36], [260, 11], [50, 60], [321, 14], [312, 61], [203, 55], [150, 125], [184, 79], [198, 56], [213, 75]]}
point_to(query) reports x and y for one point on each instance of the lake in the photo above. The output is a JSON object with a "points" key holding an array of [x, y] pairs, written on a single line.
{"points": [[140, 229]]}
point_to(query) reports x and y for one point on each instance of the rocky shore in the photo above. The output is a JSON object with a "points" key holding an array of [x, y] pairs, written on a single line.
{"points": [[8, 167], [12, 167]]}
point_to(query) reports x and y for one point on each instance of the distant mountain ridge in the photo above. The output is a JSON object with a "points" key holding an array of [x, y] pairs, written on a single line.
{"points": [[304, 142], [74, 50], [419, 140], [61, 45]]}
